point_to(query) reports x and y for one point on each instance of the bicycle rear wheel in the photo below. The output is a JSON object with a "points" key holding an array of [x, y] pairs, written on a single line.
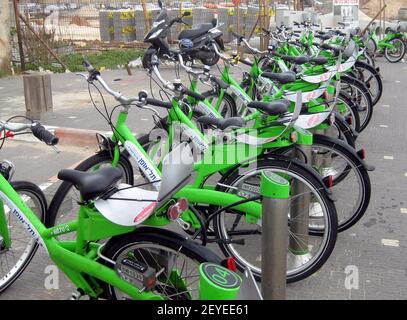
{"points": [[175, 258], [350, 180]]}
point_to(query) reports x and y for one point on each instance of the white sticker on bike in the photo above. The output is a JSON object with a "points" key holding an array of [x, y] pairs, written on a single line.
{"points": [[195, 138], [308, 121], [144, 163], [306, 96], [207, 110], [23, 219], [320, 77]]}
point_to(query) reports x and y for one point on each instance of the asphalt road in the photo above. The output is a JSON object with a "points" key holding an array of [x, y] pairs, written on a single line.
{"points": [[376, 246]]}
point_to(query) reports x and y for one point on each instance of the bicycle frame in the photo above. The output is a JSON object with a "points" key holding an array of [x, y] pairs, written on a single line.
{"points": [[75, 258], [198, 191]]}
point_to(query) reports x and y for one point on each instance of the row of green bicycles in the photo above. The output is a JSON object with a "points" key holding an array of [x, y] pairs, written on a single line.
{"points": [[143, 217]]}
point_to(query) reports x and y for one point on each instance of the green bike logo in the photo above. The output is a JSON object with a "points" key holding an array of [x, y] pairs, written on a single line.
{"points": [[222, 277]]}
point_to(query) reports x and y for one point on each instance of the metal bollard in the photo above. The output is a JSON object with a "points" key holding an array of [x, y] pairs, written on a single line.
{"points": [[300, 210], [274, 235]]}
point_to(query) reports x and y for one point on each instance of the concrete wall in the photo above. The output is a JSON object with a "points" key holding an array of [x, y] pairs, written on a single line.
{"points": [[4, 38]]}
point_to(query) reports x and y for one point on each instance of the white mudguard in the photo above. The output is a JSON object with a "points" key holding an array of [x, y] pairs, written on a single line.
{"points": [[306, 96], [125, 212]]}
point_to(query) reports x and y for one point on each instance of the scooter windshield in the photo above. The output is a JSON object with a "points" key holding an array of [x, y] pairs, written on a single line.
{"points": [[162, 17]]}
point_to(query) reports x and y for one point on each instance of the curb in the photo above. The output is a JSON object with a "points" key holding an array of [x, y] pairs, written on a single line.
{"points": [[68, 136], [77, 137], [73, 137]]}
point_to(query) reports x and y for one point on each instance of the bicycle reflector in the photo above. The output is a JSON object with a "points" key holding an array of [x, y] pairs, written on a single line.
{"points": [[177, 209], [231, 264], [331, 119], [328, 181], [294, 137], [362, 154], [349, 120]]}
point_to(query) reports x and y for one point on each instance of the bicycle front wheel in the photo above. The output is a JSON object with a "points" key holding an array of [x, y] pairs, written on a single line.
{"points": [[394, 55], [16, 258], [309, 207]]}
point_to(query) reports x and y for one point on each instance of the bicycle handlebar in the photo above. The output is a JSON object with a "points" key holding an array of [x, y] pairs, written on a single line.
{"points": [[189, 69], [95, 75], [222, 56], [43, 134], [36, 128]]}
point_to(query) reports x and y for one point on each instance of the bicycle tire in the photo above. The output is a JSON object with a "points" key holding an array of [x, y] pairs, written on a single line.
{"points": [[374, 75], [331, 229], [164, 238], [358, 85], [386, 52], [360, 170], [16, 271]]}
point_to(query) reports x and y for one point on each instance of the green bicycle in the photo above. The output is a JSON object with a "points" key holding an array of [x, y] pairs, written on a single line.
{"points": [[206, 195], [331, 158], [392, 45], [131, 262]]}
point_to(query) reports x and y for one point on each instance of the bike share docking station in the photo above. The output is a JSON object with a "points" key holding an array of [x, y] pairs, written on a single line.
{"points": [[274, 235], [217, 282]]}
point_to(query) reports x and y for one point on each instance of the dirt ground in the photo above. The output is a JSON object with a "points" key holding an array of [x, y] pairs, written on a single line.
{"points": [[371, 7]]}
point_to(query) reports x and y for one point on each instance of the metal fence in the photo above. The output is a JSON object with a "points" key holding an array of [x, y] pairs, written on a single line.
{"points": [[125, 21], [65, 26]]}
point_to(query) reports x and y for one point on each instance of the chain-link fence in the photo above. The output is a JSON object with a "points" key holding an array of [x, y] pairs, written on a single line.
{"points": [[66, 26], [125, 21]]}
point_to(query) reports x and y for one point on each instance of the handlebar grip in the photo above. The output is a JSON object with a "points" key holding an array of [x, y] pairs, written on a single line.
{"points": [[238, 37], [247, 63], [159, 103], [194, 95], [44, 135], [88, 66]]}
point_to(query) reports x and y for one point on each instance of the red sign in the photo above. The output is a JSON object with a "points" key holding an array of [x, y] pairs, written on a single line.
{"points": [[346, 2], [236, 2]]}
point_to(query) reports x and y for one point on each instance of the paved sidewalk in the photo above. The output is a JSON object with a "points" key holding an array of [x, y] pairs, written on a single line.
{"points": [[376, 246]]}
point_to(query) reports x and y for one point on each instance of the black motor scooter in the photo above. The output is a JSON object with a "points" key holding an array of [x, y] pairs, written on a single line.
{"points": [[194, 43]]}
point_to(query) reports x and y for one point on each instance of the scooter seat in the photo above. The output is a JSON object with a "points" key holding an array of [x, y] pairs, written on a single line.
{"points": [[195, 33]]}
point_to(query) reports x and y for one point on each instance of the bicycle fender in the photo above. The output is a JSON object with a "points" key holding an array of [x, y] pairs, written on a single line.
{"points": [[301, 163], [342, 120], [355, 153]]}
